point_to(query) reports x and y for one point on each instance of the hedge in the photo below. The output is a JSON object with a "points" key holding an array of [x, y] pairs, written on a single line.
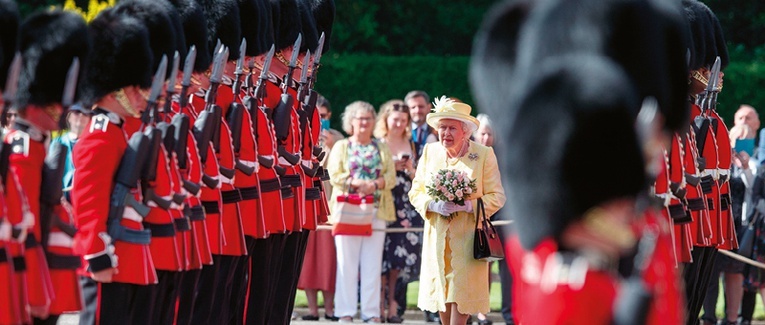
{"points": [[344, 78]]}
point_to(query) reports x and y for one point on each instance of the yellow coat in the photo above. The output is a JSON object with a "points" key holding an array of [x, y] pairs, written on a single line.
{"points": [[471, 282], [337, 166]]}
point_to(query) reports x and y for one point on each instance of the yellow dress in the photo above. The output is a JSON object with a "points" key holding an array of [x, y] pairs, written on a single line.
{"points": [[449, 272]]}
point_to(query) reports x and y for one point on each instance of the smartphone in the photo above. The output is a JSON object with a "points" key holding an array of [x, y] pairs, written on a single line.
{"points": [[746, 145], [405, 156]]}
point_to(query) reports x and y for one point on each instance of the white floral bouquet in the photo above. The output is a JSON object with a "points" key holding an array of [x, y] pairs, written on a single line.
{"points": [[451, 186]]}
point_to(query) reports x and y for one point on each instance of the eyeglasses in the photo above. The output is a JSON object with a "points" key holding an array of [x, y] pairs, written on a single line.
{"points": [[400, 108]]}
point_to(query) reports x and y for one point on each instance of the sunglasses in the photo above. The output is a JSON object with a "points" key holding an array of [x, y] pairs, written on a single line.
{"points": [[400, 108]]}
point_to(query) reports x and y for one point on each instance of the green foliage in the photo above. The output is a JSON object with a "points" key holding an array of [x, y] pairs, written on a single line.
{"points": [[742, 83], [344, 78], [742, 21], [407, 27]]}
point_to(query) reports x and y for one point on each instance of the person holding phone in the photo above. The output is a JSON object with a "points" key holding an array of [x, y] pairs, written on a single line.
{"points": [[402, 250]]}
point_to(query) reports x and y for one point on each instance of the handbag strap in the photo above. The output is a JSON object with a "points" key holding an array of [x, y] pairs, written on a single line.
{"points": [[480, 213]]}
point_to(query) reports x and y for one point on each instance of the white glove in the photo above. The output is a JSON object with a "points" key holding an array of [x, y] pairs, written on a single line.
{"points": [[468, 207], [443, 208]]}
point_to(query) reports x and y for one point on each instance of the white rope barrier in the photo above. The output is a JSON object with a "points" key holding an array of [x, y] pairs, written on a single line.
{"points": [[418, 229], [741, 258]]}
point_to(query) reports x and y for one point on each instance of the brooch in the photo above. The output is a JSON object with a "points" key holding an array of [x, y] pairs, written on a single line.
{"points": [[473, 156]]}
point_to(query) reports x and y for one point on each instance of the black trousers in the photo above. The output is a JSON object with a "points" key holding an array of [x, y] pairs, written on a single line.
{"points": [[165, 296], [90, 299], [263, 275], [289, 273], [240, 284], [187, 295], [122, 303], [206, 288], [221, 309], [697, 276]]}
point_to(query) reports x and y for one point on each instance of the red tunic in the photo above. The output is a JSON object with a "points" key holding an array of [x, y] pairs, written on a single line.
{"points": [[26, 163], [724, 156], [97, 157], [251, 208], [683, 238], [19, 216], [701, 230], [265, 137], [164, 250], [66, 283], [707, 145], [556, 299], [10, 308]]}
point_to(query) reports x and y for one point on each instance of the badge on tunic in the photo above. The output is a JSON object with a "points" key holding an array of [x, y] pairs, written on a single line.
{"points": [[473, 156]]}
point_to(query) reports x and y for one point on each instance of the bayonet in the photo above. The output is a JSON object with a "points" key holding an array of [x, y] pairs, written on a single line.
{"points": [[70, 85], [156, 89], [260, 89], [303, 90], [170, 91], [711, 89], [316, 60], [239, 72], [215, 77], [248, 81], [287, 81], [188, 70]]}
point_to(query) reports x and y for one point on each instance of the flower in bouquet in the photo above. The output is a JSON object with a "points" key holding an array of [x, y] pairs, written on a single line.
{"points": [[451, 186]]}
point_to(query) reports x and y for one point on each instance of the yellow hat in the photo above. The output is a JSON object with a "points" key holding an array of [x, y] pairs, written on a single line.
{"points": [[447, 108]]}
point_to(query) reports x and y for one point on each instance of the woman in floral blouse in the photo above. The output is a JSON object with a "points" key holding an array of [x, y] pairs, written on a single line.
{"points": [[363, 165]]}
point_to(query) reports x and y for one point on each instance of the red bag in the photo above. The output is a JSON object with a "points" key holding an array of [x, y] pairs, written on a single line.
{"points": [[353, 215]]}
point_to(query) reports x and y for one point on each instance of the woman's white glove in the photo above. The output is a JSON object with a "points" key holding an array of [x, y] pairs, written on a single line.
{"points": [[443, 208], [468, 207]]}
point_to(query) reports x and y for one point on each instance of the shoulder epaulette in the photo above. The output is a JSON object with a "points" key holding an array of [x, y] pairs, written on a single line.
{"points": [[100, 123], [19, 143]]}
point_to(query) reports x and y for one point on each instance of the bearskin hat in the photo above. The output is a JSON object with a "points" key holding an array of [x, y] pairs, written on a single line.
{"points": [[223, 24], [308, 27], [645, 38], [565, 122], [121, 56], [253, 15], [49, 41], [175, 20], [195, 31], [159, 25], [324, 15], [704, 36], [9, 27], [287, 23]]}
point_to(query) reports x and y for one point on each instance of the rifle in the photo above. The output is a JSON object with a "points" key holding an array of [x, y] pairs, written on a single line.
{"points": [[634, 299], [168, 140], [154, 137], [234, 119], [53, 169], [129, 171]]}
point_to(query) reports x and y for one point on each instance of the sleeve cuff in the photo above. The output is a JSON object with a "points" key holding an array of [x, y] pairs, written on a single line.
{"points": [[100, 262]]}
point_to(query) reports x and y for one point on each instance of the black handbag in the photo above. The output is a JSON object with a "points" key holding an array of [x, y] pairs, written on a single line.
{"points": [[746, 243], [486, 243]]}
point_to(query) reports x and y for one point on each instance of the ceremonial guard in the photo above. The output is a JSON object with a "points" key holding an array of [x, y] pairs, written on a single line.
{"points": [[225, 230], [644, 268], [707, 57], [106, 197], [197, 61], [52, 44], [11, 309]]}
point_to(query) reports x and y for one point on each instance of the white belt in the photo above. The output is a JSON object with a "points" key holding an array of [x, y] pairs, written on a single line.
{"points": [[723, 172], [666, 197], [59, 239], [131, 214], [253, 164], [283, 161], [307, 163], [223, 179], [710, 172]]}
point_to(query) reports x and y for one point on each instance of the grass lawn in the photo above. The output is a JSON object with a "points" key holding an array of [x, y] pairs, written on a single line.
{"points": [[411, 295], [496, 298]]}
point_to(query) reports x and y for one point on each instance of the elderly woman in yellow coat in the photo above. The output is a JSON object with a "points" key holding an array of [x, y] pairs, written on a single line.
{"points": [[452, 282]]}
